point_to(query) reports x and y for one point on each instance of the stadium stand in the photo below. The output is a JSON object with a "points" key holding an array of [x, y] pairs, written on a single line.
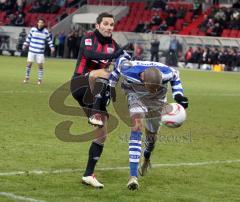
{"points": [[30, 12]]}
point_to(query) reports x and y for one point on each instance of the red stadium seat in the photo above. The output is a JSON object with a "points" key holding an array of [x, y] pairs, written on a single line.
{"points": [[225, 33], [233, 33]]}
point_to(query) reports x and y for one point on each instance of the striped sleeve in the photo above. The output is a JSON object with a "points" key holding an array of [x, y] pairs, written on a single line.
{"points": [[28, 39], [116, 73], [49, 40], [176, 83]]}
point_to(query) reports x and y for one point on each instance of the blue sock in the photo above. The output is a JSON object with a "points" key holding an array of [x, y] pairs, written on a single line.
{"points": [[133, 169], [134, 152]]}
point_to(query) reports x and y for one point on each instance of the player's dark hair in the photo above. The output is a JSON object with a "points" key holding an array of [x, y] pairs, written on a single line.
{"points": [[152, 79], [103, 15], [42, 19]]}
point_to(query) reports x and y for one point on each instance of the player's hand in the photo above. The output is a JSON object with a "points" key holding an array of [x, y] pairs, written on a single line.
{"points": [[52, 50], [181, 100], [126, 55], [120, 51], [24, 48]]}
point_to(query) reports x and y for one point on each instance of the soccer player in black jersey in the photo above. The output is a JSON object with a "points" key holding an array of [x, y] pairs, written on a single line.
{"points": [[97, 49]]}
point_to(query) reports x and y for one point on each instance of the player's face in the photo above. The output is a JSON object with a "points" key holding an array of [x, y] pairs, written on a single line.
{"points": [[106, 26], [40, 24]]}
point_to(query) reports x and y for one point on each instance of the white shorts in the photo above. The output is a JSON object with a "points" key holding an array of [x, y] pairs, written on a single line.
{"points": [[151, 111], [35, 57]]}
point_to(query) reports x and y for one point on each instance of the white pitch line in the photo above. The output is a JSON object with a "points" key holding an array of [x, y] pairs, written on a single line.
{"points": [[41, 172], [16, 197]]}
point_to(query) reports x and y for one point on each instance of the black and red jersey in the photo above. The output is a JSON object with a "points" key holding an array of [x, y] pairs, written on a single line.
{"points": [[95, 52]]}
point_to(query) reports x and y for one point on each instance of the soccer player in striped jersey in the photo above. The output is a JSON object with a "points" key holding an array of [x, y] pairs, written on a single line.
{"points": [[36, 41], [145, 84]]}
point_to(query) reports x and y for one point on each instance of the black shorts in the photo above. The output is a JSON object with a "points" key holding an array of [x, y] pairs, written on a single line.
{"points": [[81, 92]]}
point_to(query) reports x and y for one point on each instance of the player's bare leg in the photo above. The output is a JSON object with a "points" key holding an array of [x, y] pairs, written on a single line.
{"points": [[149, 147], [28, 71]]}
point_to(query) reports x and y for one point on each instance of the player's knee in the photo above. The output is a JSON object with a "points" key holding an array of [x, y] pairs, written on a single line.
{"points": [[100, 139], [100, 86], [137, 124]]}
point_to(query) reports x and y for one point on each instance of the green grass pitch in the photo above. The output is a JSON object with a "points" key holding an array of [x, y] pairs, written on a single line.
{"points": [[28, 142]]}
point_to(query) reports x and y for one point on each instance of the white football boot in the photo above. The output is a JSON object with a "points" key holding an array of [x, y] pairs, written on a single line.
{"points": [[132, 183], [39, 82], [96, 120], [26, 80], [92, 180]]}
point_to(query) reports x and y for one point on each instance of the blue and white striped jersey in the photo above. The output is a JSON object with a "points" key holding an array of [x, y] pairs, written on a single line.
{"points": [[36, 40], [131, 70]]}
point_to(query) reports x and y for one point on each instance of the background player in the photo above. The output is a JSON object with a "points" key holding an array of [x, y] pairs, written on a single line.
{"points": [[36, 41]]}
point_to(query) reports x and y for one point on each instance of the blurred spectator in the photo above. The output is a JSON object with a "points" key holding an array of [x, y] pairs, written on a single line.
{"points": [[21, 38], [181, 12], [20, 4], [64, 15], [159, 4], [146, 28], [2, 5], [163, 27], [56, 44], [197, 56], [4, 43], [228, 58], [188, 55], [36, 7], [139, 27], [215, 2], [11, 19], [61, 39], [19, 21], [156, 20], [205, 56], [71, 44], [171, 19], [236, 4], [154, 50], [79, 38], [61, 3], [72, 3], [170, 9], [217, 29], [174, 48], [9, 6], [197, 7]]}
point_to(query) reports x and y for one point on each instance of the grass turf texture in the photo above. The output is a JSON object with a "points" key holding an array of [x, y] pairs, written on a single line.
{"points": [[28, 142]]}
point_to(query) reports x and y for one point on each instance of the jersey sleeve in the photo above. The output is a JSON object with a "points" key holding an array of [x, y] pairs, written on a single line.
{"points": [[49, 40], [176, 83], [116, 73], [28, 39]]}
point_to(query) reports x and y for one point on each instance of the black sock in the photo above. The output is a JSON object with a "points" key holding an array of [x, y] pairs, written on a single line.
{"points": [[146, 154], [95, 152]]}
